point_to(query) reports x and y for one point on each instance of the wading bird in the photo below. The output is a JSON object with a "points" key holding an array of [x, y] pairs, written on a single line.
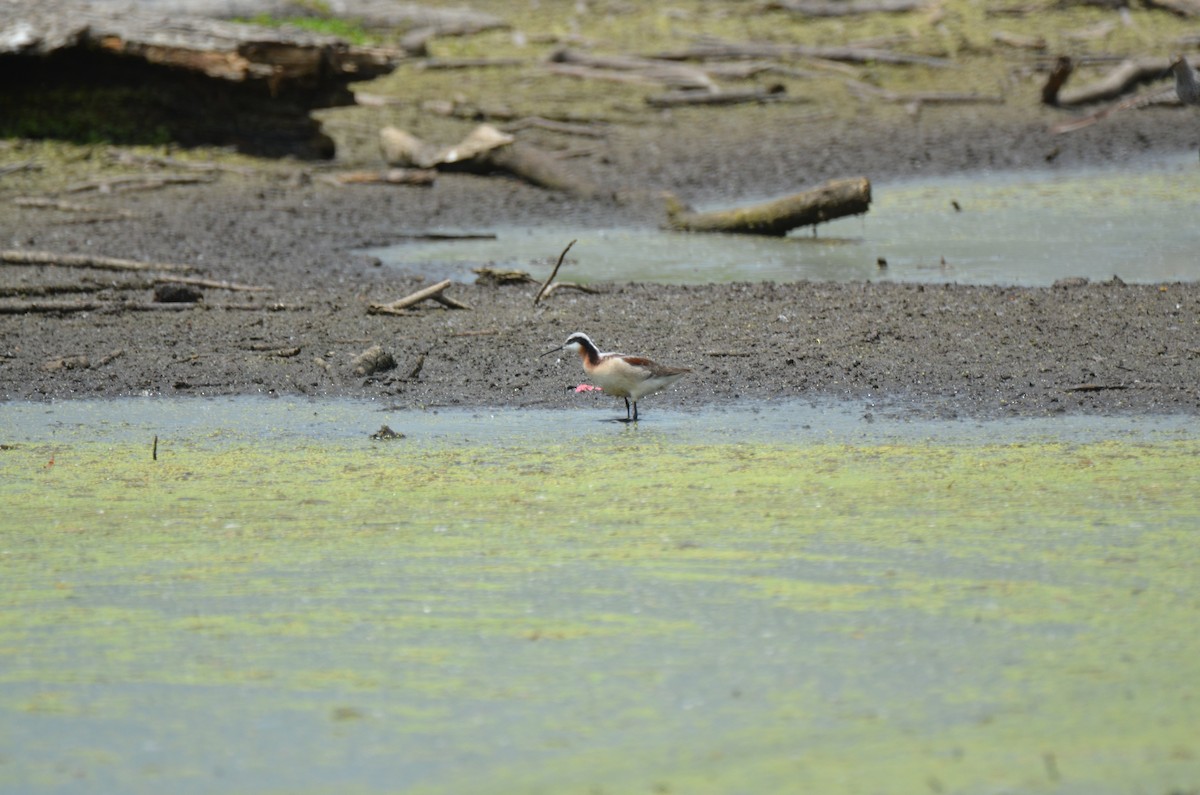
{"points": [[630, 377]]}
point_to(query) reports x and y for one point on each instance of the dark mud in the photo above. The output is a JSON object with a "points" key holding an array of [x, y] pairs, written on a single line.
{"points": [[934, 350]]}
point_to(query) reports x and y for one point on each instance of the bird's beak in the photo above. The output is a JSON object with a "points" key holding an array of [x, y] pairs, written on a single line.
{"points": [[547, 353]]}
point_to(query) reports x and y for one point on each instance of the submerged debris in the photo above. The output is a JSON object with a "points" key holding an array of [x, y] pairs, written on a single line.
{"points": [[385, 433]]}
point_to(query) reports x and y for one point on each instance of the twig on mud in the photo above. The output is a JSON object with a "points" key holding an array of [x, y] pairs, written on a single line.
{"points": [[21, 257], [68, 207], [212, 284], [433, 292], [487, 332], [553, 273], [128, 158], [583, 288], [1094, 387], [137, 183], [392, 176], [67, 307]]}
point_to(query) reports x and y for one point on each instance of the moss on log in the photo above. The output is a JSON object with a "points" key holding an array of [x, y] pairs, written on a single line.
{"points": [[831, 200]]}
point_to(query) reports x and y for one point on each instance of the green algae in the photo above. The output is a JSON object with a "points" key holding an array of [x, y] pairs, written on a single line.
{"points": [[604, 612]]}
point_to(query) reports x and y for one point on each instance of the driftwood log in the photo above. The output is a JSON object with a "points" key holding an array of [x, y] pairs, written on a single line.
{"points": [[201, 80], [485, 150], [834, 199]]}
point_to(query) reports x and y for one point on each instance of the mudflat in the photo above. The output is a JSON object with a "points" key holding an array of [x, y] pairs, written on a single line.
{"points": [[948, 349]]}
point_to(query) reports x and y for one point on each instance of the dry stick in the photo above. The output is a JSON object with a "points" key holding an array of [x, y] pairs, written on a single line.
{"points": [[68, 207], [392, 176], [433, 291], [553, 273], [190, 165], [210, 283], [137, 183], [550, 125], [21, 257], [583, 288], [674, 99], [823, 8], [66, 307], [447, 301]]}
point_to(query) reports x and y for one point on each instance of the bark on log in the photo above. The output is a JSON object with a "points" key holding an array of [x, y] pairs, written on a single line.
{"points": [[486, 150], [201, 80], [834, 199]]}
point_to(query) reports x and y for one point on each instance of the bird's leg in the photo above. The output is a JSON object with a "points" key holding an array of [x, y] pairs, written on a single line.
{"points": [[635, 411], [627, 409]]}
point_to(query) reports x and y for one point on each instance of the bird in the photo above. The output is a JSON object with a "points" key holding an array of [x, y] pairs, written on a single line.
{"points": [[629, 377], [1186, 86]]}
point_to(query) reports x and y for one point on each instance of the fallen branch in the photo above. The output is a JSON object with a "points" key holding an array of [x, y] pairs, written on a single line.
{"points": [[1119, 81], [650, 70], [550, 125], [1094, 387], [68, 207], [393, 176], [553, 273], [1059, 74], [467, 63], [827, 8], [583, 288], [1180, 8], [485, 150], [210, 283], [674, 99], [68, 307], [433, 292], [1155, 96], [129, 158], [715, 49], [19, 257], [832, 200], [137, 183]]}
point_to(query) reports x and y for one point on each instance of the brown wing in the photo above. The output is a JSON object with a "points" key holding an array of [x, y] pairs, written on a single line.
{"points": [[654, 368]]}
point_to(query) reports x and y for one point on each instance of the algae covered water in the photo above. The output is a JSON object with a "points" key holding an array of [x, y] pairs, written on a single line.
{"points": [[765, 599]]}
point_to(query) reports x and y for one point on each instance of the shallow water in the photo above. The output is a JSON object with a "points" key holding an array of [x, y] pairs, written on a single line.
{"points": [[1026, 228], [773, 598]]}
